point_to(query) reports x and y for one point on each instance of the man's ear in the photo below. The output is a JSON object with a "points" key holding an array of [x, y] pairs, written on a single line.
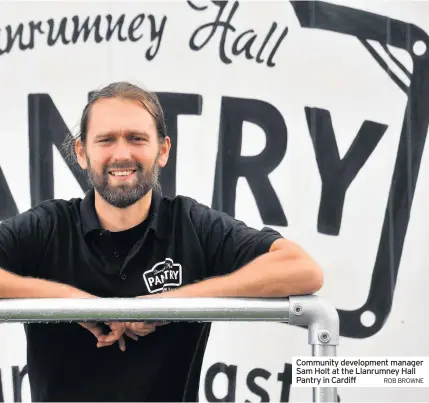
{"points": [[79, 148], [164, 152]]}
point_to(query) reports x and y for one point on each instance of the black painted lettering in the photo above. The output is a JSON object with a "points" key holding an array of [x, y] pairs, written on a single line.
{"points": [[285, 378], [239, 47], [270, 62], [17, 35], [230, 165], [337, 174], [12, 37], [47, 128], [231, 373], [135, 24], [118, 25], [243, 43], [86, 29], [8, 206], [212, 28], [264, 44], [53, 38], [34, 26], [155, 35], [92, 28], [254, 387], [173, 106], [17, 380]]}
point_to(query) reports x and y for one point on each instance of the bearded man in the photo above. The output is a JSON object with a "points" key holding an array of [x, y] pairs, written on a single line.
{"points": [[124, 239]]}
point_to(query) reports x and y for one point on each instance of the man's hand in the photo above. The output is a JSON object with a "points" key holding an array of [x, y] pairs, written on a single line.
{"points": [[133, 330], [142, 328], [104, 340]]}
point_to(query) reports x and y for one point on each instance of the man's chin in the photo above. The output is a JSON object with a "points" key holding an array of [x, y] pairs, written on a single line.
{"points": [[120, 199], [123, 195]]}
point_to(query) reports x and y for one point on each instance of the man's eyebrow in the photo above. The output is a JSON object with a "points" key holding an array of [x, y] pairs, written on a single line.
{"points": [[127, 133]]}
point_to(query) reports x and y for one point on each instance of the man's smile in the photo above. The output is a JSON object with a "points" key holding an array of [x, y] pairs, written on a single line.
{"points": [[122, 174]]}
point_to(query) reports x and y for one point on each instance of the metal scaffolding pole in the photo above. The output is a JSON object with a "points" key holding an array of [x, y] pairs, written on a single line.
{"points": [[313, 312]]}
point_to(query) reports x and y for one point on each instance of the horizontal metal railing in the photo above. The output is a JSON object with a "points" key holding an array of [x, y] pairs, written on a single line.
{"points": [[313, 312]]}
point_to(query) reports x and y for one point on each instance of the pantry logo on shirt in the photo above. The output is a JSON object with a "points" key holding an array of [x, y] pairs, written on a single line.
{"points": [[163, 276]]}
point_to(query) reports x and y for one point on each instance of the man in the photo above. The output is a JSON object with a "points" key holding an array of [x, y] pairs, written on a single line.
{"points": [[125, 240]]}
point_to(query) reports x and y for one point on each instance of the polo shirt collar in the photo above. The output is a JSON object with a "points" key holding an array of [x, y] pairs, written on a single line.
{"points": [[91, 223]]}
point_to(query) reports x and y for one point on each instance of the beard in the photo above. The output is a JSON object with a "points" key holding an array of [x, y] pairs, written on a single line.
{"points": [[125, 194]]}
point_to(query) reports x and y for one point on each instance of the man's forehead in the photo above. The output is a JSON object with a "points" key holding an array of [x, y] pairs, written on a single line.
{"points": [[120, 116]]}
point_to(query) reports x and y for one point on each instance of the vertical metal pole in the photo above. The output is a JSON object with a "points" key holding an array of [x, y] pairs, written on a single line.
{"points": [[325, 394], [322, 321]]}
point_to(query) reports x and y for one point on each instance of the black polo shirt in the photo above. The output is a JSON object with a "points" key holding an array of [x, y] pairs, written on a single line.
{"points": [[181, 242]]}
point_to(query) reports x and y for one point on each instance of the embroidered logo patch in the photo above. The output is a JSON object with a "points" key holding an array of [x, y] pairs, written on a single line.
{"points": [[163, 276]]}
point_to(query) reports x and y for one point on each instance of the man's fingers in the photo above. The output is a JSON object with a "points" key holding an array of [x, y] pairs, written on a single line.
{"points": [[112, 336], [117, 330], [121, 342], [94, 328], [131, 329], [161, 323], [140, 325], [140, 328], [104, 344], [115, 325], [143, 333], [108, 338], [131, 335]]}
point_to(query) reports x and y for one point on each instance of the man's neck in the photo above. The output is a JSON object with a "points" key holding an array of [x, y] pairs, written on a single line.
{"points": [[117, 219]]}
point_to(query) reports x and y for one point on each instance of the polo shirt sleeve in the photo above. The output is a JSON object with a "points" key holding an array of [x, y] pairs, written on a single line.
{"points": [[21, 243], [228, 243]]}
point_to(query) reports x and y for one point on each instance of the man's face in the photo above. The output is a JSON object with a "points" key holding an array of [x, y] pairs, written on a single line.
{"points": [[122, 153]]}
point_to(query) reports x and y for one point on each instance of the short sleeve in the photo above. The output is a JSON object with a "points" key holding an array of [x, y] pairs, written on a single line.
{"points": [[21, 243], [228, 243]]}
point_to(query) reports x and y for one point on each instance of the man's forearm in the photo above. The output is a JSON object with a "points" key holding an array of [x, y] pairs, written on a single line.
{"points": [[210, 288], [279, 273], [14, 286]]}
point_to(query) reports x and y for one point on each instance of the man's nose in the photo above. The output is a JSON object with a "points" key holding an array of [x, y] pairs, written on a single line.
{"points": [[122, 150]]}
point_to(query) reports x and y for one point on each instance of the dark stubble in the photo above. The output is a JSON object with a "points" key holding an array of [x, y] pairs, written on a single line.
{"points": [[125, 194]]}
